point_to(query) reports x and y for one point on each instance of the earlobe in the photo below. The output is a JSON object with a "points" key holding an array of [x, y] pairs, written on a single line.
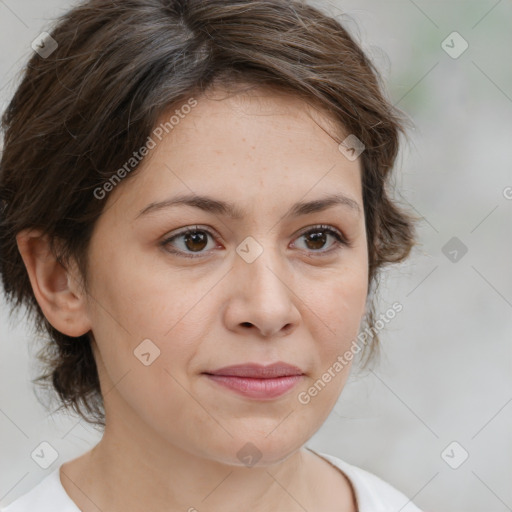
{"points": [[57, 289]]}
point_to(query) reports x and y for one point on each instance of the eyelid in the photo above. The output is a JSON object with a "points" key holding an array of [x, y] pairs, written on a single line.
{"points": [[341, 239], [325, 227], [189, 229]]}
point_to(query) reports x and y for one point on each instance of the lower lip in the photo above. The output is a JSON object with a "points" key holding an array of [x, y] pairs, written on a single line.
{"points": [[257, 388]]}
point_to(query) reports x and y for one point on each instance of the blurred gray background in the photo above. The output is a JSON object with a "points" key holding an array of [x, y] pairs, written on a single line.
{"points": [[443, 388]]}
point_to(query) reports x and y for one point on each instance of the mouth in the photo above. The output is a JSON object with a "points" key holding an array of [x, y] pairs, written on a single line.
{"points": [[256, 381]]}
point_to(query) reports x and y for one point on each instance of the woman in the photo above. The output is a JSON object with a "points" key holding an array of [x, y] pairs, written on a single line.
{"points": [[195, 211]]}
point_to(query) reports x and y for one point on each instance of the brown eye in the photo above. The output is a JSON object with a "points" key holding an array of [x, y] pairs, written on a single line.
{"points": [[193, 242], [196, 241], [317, 238], [188, 242]]}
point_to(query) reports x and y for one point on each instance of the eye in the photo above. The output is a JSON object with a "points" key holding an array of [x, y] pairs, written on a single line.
{"points": [[317, 237], [194, 239]]}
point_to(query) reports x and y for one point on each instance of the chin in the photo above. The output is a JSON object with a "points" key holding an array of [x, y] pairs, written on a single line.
{"points": [[260, 450]]}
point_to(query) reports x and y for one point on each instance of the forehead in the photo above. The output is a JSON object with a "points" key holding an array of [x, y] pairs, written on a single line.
{"points": [[260, 106], [237, 145]]}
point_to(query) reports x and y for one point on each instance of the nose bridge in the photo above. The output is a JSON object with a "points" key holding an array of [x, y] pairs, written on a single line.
{"points": [[261, 266]]}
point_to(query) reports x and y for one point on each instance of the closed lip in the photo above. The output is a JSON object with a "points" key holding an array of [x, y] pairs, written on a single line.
{"points": [[258, 371]]}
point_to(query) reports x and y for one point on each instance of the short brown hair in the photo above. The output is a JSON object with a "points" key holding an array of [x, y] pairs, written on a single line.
{"points": [[79, 113]]}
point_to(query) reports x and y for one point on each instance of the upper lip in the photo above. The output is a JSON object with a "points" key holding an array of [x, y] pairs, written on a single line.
{"points": [[255, 370]]}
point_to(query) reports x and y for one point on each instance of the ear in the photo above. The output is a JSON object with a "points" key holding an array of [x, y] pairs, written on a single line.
{"points": [[57, 290]]}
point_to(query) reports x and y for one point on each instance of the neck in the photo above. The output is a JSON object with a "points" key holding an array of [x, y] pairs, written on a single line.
{"points": [[132, 469]]}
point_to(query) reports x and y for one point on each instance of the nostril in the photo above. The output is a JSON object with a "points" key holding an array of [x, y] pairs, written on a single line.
{"points": [[247, 324]]}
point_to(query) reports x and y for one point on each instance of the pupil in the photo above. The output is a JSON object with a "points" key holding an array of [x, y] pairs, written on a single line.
{"points": [[196, 237], [316, 240], [319, 236]]}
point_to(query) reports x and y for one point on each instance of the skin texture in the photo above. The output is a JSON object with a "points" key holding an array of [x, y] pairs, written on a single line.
{"points": [[172, 435]]}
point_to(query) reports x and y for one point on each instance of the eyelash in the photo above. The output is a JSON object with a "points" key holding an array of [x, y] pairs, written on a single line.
{"points": [[340, 240]]}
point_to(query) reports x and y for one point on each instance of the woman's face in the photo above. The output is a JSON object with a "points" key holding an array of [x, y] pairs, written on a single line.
{"points": [[267, 286]]}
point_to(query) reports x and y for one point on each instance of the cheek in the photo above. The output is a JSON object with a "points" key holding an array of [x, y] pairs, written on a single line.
{"points": [[163, 306], [338, 304], [334, 309], [130, 293], [146, 337]]}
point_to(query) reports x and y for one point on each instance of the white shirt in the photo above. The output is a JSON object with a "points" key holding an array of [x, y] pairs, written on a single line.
{"points": [[372, 493]]}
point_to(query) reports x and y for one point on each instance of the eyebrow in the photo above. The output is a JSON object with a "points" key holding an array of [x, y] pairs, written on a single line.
{"points": [[228, 209]]}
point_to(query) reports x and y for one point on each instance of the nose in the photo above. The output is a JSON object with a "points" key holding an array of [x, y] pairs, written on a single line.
{"points": [[261, 297]]}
